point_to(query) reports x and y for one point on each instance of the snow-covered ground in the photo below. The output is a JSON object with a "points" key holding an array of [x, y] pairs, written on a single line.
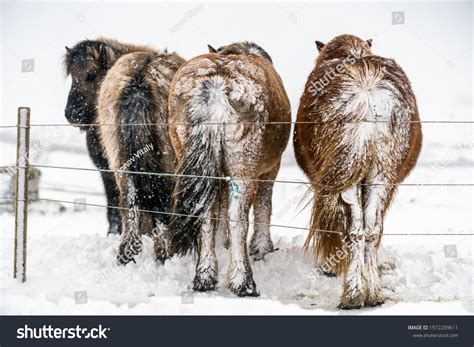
{"points": [[69, 256], [68, 253]]}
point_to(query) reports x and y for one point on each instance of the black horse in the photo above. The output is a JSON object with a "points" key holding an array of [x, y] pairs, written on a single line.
{"points": [[88, 62]]}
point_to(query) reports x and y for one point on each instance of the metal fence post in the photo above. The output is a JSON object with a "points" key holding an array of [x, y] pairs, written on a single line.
{"points": [[21, 192]]}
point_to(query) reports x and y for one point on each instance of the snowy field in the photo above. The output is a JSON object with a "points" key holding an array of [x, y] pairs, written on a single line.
{"points": [[69, 253], [71, 263]]}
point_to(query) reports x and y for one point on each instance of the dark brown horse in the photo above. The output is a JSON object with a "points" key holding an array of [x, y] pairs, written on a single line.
{"points": [[358, 136], [88, 62], [220, 105]]}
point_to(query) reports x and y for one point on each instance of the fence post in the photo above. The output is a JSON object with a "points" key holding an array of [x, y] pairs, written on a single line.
{"points": [[21, 192]]}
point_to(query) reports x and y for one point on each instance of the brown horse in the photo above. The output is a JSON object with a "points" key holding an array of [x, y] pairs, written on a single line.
{"points": [[133, 113], [226, 99], [358, 135]]}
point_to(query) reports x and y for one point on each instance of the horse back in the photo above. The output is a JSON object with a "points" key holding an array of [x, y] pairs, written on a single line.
{"points": [[363, 120], [251, 92], [137, 81]]}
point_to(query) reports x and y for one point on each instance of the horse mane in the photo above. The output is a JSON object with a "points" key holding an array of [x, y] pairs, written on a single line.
{"points": [[246, 48], [343, 46], [119, 49]]}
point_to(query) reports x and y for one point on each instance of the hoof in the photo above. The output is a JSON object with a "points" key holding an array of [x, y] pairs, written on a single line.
{"points": [[200, 285], [328, 273], [258, 253], [122, 260], [161, 253], [114, 230], [349, 306], [160, 259], [126, 254], [128, 249], [386, 266], [352, 303], [246, 289], [374, 302]]}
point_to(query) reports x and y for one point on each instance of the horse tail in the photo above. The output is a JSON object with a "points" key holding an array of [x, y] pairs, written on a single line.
{"points": [[195, 196], [329, 213], [143, 146], [373, 83]]}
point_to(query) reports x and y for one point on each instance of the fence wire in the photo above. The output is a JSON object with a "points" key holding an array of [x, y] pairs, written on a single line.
{"points": [[244, 222], [233, 178], [238, 123], [224, 178]]}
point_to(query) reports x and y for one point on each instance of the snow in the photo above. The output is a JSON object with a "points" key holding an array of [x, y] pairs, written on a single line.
{"points": [[69, 251]]}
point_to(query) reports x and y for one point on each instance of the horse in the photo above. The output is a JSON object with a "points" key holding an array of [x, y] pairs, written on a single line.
{"points": [[357, 136], [88, 62], [229, 124], [133, 114]]}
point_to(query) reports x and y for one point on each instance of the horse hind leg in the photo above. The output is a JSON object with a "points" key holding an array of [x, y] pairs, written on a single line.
{"points": [[131, 243], [261, 242], [240, 273], [355, 284], [376, 198], [161, 241], [113, 200], [206, 268], [222, 234]]}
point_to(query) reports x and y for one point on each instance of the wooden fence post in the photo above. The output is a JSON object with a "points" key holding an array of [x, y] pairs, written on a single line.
{"points": [[21, 192]]}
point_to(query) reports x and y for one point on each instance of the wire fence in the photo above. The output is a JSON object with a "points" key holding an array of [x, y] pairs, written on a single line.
{"points": [[282, 226], [81, 191], [234, 178], [238, 123], [244, 222], [23, 163], [220, 178]]}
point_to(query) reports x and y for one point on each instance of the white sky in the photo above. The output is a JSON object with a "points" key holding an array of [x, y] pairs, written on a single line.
{"points": [[434, 46]]}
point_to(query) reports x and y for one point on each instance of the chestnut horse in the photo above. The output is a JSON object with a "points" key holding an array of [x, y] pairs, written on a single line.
{"points": [[133, 114], [357, 136], [220, 105]]}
